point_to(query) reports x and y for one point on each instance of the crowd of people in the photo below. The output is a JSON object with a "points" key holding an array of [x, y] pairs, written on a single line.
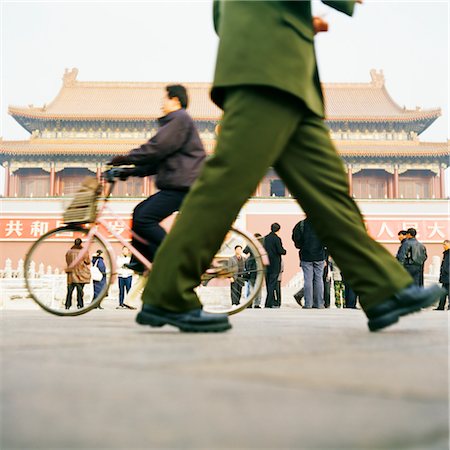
{"points": [[320, 271]]}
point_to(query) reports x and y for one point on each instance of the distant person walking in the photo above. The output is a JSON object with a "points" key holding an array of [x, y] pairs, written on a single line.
{"points": [[274, 249], [77, 276]]}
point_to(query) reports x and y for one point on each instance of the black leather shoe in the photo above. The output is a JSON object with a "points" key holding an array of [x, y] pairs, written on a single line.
{"points": [[136, 266], [407, 301], [195, 320]]}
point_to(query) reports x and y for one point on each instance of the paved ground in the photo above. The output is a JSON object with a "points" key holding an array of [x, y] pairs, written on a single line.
{"points": [[280, 379]]}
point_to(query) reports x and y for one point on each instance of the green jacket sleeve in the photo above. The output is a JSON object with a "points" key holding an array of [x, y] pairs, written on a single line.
{"points": [[345, 6]]}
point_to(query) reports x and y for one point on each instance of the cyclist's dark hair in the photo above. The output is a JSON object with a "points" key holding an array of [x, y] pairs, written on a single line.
{"points": [[275, 227], [238, 246], [77, 241], [178, 91], [402, 232], [412, 231]]}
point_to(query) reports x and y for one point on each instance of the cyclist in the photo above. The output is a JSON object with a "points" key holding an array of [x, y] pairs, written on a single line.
{"points": [[175, 155]]}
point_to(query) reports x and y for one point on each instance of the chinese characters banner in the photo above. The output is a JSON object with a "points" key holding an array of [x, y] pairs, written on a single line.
{"points": [[30, 229]]}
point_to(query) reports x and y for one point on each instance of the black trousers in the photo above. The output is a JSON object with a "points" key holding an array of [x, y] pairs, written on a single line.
{"points": [[443, 299], [236, 291], [147, 216], [79, 287], [271, 285], [350, 297], [417, 273]]}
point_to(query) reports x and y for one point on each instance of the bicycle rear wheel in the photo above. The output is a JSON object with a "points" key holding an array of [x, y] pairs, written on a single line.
{"points": [[46, 276], [232, 284]]}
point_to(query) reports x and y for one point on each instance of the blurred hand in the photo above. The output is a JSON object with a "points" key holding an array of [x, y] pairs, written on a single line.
{"points": [[319, 25], [359, 1]]}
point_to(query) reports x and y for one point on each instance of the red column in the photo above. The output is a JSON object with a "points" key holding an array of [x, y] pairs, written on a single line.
{"points": [[52, 179], [147, 186], [390, 187], [14, 184], [350, 179], [442, 182], [7, 180], [396, 182]]}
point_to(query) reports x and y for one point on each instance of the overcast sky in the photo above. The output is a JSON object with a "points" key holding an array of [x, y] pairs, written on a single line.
{"points": [[175, 41]]}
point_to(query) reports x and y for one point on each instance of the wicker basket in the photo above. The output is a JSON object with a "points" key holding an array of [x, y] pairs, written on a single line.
{"points": [[83, 207]]}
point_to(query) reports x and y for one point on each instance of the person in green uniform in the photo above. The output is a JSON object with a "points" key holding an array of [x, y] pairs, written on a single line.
{"points": [[267, 83]]}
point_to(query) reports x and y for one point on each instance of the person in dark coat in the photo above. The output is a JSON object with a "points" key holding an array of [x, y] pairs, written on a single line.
{"points": [[444, 275], [402, 237], [274, 249], [312, 255], [413, 256], [98, 261], [237, 266], [250, 269], [175, 155]]}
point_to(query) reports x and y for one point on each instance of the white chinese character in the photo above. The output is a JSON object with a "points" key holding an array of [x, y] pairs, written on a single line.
{"points": [[385, 228], [14, 226], [38, 228], [436, 229]]}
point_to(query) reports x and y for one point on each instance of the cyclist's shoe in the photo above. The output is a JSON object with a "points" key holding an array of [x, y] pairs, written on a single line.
{"points": [[128, 306], [408, 300], [195, 320], [136, 266]]}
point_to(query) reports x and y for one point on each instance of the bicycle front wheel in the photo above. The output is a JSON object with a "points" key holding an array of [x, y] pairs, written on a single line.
{"points": [[67, 289], [234, 279]]}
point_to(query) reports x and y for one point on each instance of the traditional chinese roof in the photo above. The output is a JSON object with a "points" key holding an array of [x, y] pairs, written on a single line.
{"points": [[383, 149], [99, 147], [141, 101], [73, 147]]}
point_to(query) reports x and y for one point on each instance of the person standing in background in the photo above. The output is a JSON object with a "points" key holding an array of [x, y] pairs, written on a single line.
{"points": [[124, 277]]}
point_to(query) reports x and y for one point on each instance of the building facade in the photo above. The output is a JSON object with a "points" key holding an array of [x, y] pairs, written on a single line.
{"points": [[397, 180], [89, 122]]}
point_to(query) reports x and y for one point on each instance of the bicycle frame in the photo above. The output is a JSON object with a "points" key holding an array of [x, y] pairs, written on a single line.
{"points": [[94, 231]]}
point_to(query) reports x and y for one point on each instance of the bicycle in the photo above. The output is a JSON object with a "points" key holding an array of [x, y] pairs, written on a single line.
{"points": [[85, 219]]}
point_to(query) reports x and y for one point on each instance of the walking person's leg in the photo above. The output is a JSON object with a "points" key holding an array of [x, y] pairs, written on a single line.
{"points": [[313, 172], [79, 287], [121, 290], [278, 294], [308, 276], [318, 289], [128, 282], [271, 284], [219, 193], [70, 288]]}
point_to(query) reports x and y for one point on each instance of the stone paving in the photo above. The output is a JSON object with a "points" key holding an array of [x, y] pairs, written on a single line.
{"points": [[280, 379]]}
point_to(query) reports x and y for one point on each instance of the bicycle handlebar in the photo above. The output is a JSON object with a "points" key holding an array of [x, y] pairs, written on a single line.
{"points": [[121, 173]]}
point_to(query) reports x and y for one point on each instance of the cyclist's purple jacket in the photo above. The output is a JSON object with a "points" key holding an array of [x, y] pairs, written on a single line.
{"points": [[175, 154]]}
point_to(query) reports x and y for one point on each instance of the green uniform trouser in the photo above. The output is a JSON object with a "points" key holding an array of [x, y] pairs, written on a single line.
{"points": [[264, 127]]}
